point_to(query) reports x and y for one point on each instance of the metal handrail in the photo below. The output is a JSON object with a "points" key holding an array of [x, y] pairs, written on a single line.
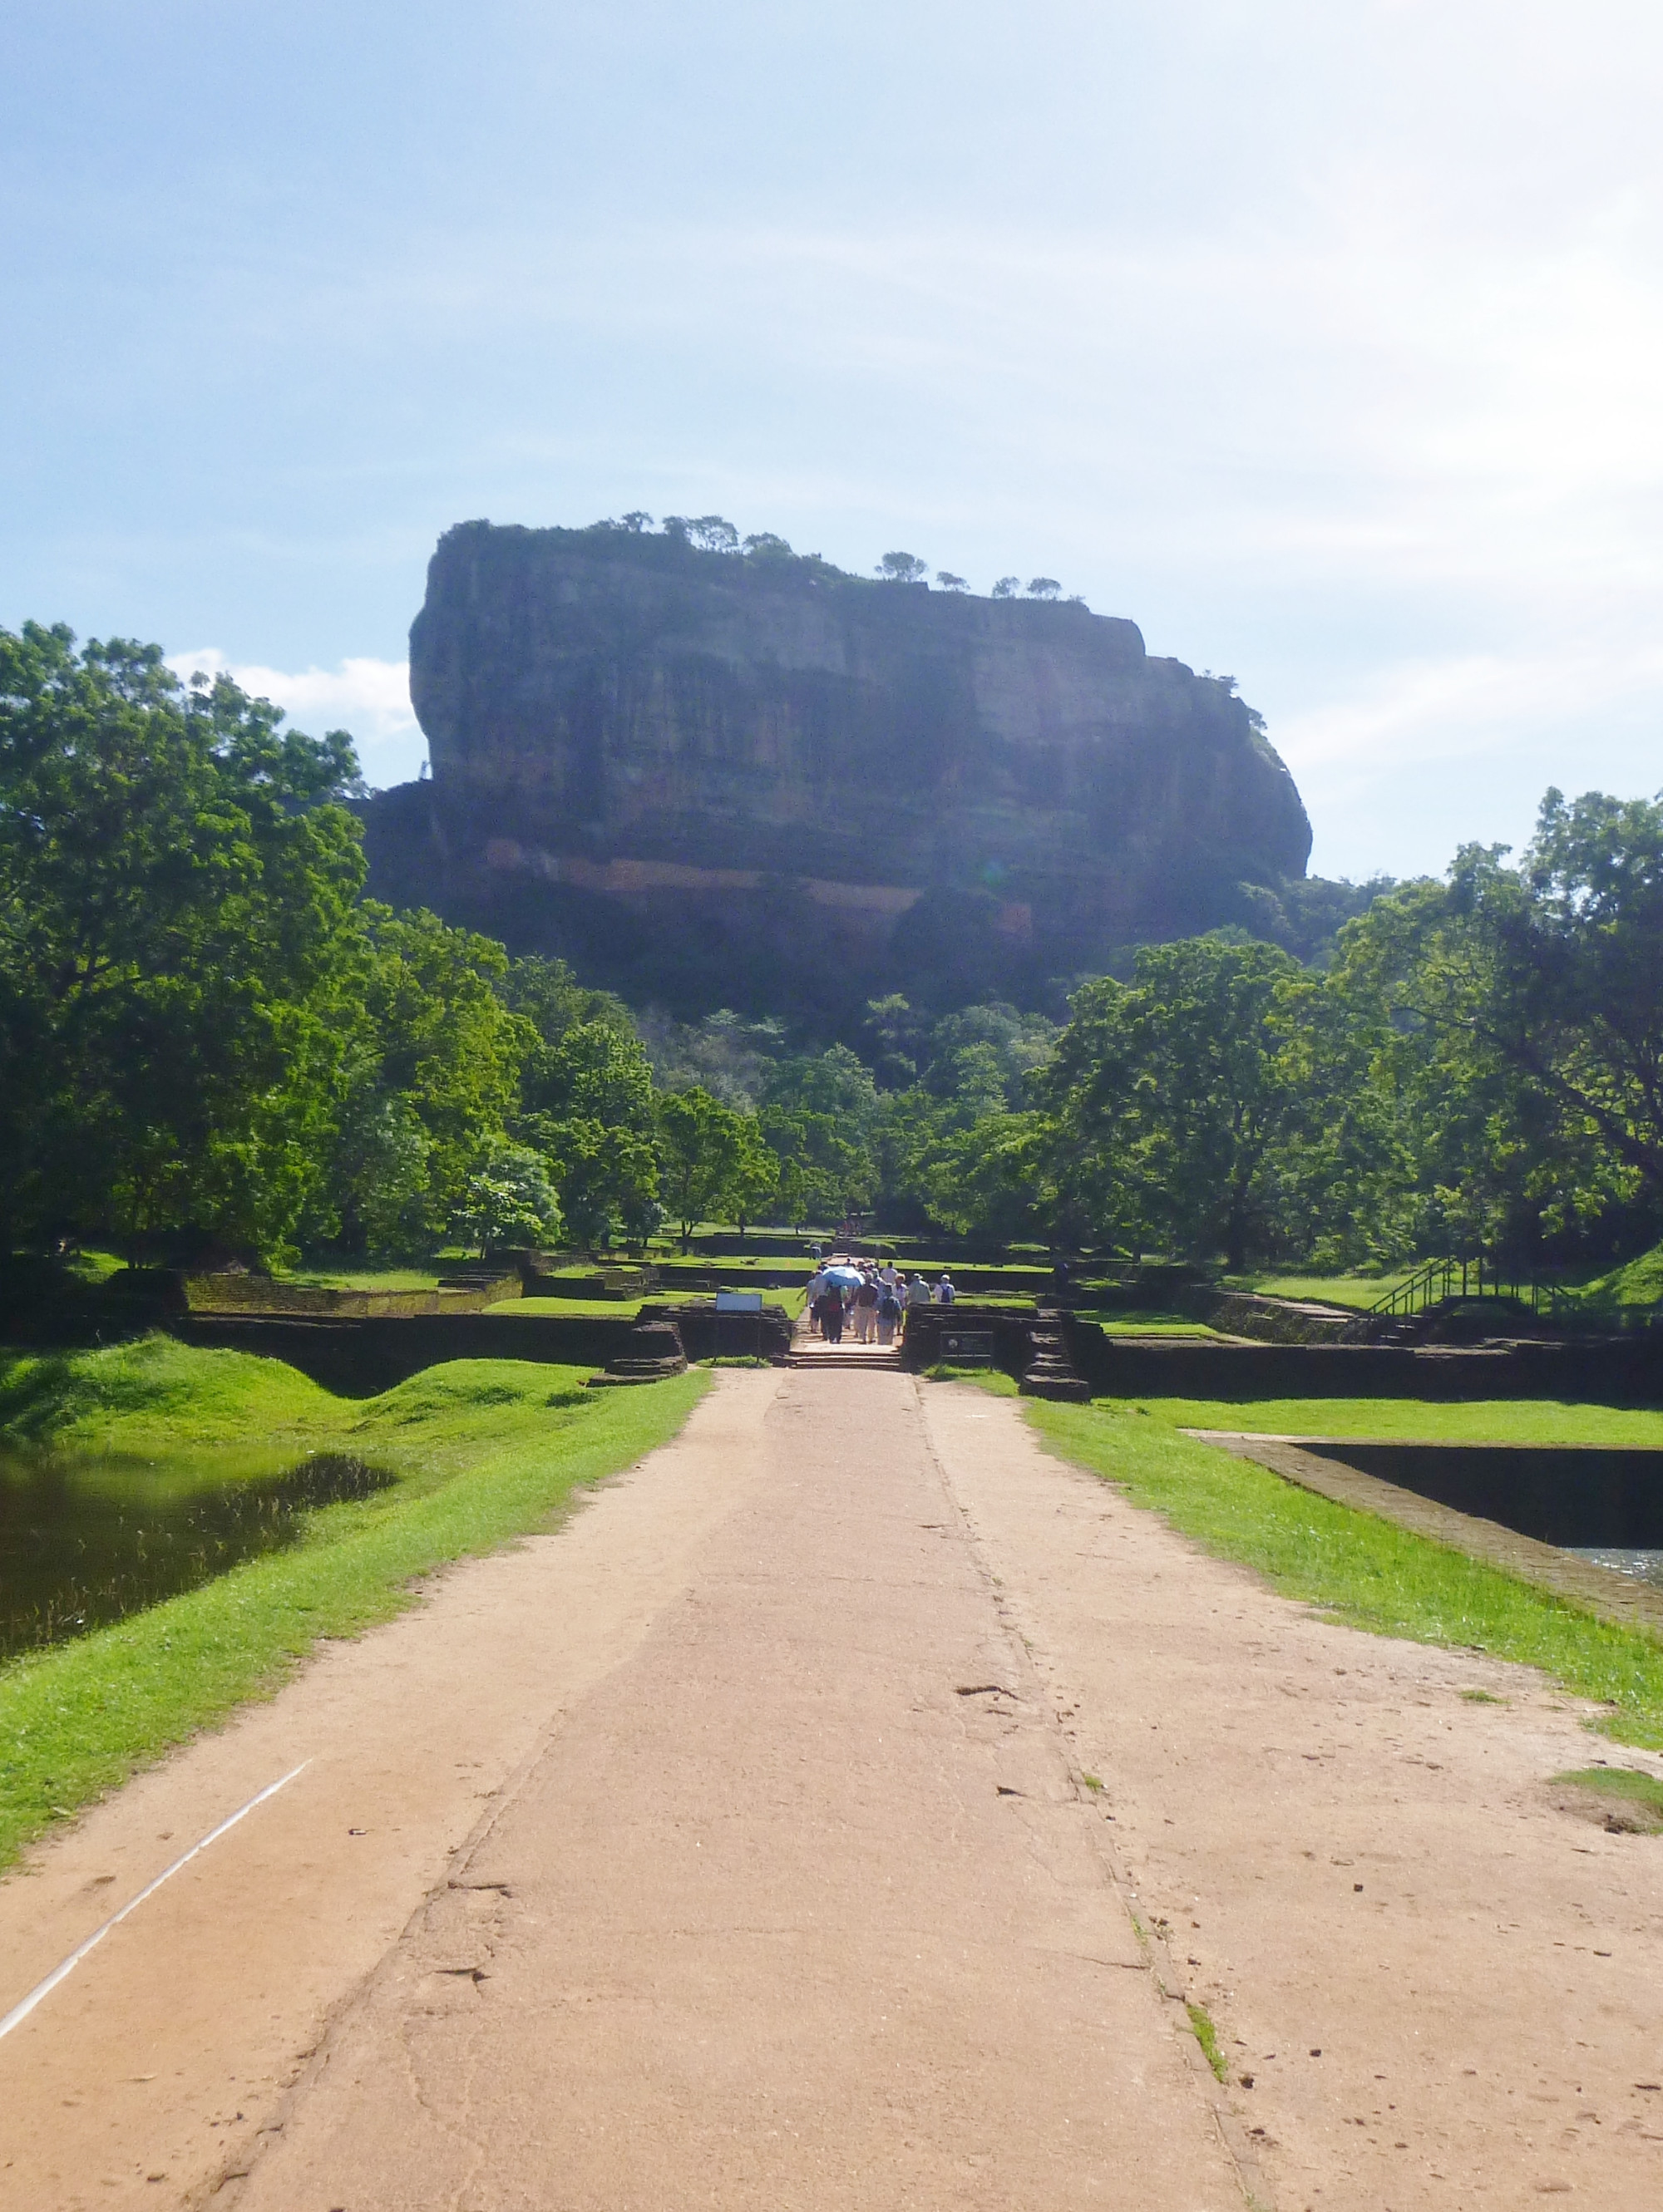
{"points": [[1480, 1278]]}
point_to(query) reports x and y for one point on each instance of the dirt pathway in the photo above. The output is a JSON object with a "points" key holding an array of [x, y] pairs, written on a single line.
{"points": [[802, 1908], [1444, 1989], [785, 1888], [148, 2075]]}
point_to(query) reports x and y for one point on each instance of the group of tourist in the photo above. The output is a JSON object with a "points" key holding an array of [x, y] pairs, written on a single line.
{"points": [[867, 1299]]}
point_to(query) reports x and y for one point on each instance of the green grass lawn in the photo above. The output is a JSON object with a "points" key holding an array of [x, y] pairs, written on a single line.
{"points": [[668, 1269], [1365, 1572], [484, 1450], [615, 1309], [1358, 1290], [1128, 1320], [1638, 1283], [157, 1395], [1410, 1420], [363, 1278]]}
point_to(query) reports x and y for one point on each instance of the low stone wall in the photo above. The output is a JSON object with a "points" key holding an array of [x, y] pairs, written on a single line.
{"points": [[260, 1294], [604, 1283], [358, 1357], [674, 1278], [1607, 1370], [1272, 1321], [708, 1334], [924, 1326]]}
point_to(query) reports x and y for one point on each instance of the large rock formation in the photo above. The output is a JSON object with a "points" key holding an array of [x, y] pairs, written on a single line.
{"points": [[751, 778]]}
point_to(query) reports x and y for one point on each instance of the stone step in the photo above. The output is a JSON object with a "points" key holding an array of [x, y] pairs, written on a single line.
{"points": [[860, 1355]]}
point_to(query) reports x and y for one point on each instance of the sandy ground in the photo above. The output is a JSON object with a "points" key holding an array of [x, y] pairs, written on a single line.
{"points": [[148, 2076], [739, 1846], [1443, 1991]]}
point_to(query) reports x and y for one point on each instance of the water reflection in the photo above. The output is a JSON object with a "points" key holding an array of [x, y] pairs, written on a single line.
{"points": [[87, 1539], [1644, 1566]]}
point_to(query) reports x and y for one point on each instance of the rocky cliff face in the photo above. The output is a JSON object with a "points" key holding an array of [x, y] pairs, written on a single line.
{"points": [[665, 760]]}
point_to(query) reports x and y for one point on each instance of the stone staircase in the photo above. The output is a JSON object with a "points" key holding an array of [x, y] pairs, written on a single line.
{"points": [[814, 1351]]}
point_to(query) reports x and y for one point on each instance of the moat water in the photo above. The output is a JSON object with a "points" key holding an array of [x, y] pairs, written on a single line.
{"points": [[1598, 1500], [87, 1539], [1644, 1566]]}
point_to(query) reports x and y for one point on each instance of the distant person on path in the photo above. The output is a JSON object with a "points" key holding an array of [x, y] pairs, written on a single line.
{"points": [[831, 1314], [889, 1312], [866, 1310], [918, 1292], [945, 1294]]}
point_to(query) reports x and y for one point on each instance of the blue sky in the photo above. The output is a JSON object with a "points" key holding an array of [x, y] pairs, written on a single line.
{"points": [[1324, 342]]}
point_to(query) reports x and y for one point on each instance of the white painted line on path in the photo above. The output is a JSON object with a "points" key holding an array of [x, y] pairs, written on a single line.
{"points": [[21, 2011]]}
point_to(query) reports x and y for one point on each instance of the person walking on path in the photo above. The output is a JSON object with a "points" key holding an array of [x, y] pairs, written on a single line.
{"points": [[866, 1310], [831, 1314], [918, 1292], [945, 1295], [889, 1312]]}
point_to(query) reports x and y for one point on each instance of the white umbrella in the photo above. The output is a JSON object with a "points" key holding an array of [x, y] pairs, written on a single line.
{"points": [[843, 1275]]}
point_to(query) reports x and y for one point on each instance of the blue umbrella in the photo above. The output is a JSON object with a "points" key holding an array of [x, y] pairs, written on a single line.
{"points": [[851, 1275]]}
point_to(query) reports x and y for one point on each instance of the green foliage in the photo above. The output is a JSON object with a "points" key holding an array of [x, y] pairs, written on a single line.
{"points": [[587, 1105], [823, 1175], [1206, 2036], [207, 1037], [441, 1039], [1639, 1284], [1173, 1098], [724, 1053], [509, 1200], [714, 1159], [988, 1179], [178, 942], [1518, 1014]]}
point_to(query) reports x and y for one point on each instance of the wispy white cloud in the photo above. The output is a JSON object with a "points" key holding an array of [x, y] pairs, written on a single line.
{"points": [[368, 698]]}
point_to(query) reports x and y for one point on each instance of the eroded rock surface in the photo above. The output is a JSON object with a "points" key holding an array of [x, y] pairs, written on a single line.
{"points": [[642, 751]]}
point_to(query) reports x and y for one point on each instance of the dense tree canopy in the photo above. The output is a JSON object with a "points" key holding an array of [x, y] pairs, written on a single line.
{"points": [[208, 1035], [179, 945]]}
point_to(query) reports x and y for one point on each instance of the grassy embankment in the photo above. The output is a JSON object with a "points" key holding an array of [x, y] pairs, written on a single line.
{"points": [[484, 1450], [1142, 1320], [1365, 1572], [571, 1309], [1360, 1291], [1636, 1287]]}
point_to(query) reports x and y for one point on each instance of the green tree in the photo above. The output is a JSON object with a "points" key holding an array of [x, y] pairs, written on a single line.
{"points": [[1173, 1098], [179, 947], [586, 1103], [1518, 1014], [989, 1180], [708, 1157], [446, 1044], [550, 997], [378, 1183], [508, 1199], [604, 1174], [822, 1174]]}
